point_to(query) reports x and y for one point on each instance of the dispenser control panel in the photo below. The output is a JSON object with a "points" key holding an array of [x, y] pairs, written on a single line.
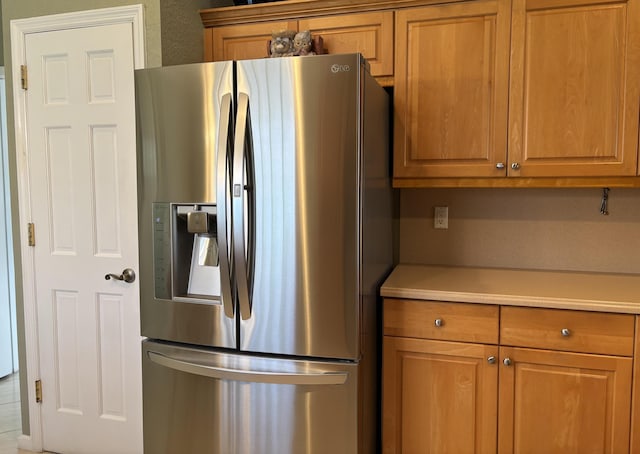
{"points": [[185, 250]]}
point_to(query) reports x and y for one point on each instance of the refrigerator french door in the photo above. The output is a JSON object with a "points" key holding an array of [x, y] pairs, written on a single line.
{"points": [[265, 230]]}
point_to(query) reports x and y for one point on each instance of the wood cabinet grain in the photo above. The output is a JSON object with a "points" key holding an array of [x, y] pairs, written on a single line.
{"points": [[245, 41], [574, 88], [487, 93], [563, 403], [567, 330], [439, 397], [451, 90], [370, 34], [441, 320], [533, 90], [534, 390]]}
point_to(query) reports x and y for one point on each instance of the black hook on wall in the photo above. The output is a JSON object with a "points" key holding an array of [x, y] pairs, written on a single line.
{"points": [[604, 205]]}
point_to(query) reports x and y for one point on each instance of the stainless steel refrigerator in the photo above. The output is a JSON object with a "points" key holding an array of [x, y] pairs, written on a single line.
{"points": [[265, 232]]}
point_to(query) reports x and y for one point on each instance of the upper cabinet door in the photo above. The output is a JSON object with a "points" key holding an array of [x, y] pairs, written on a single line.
{"points": [[243, 42], [371, 34], [451, 89], [574, 87]]}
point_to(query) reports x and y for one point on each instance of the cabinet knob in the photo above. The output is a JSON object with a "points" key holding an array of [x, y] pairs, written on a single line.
{"points": [[500, 165], [566, 332], [491, 359], [515, 166], [438, 322], [506, 361]]}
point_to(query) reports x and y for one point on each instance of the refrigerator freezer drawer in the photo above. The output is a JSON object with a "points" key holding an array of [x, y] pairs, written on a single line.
{"points": [[203, 401]]}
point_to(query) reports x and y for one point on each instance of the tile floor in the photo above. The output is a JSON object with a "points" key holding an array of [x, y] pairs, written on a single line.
{"points": [[10, 421]]}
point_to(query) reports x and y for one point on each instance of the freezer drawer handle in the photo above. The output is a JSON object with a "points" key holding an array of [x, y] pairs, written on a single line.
{"points": [[281, 378]]}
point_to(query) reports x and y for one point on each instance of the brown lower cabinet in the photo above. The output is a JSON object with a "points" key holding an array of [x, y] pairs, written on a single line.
{"points": [[451, 396], [439, 396]]}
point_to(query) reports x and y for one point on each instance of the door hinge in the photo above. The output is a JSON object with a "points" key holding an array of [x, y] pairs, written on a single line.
{"points": [[23, 77], [31, 234], [38, 391]]}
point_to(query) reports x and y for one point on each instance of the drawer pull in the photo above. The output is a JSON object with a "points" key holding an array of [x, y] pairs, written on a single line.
{"points": [[506, 361], [491, 359], [566, 332], [438, 322]]}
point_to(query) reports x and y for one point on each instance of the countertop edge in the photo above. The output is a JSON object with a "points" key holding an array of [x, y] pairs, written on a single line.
{"points": [[418, 282]]}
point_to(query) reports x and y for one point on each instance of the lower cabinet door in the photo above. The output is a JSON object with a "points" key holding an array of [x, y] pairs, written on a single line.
{"points": [[439, 397], [570, 403]]}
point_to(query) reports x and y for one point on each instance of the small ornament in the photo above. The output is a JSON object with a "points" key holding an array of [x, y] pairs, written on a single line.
{"points": [[286, 43], [282, 43], [303, 44]]}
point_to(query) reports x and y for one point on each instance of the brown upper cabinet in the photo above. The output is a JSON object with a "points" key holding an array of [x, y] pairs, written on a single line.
{"points": [[371, 34], [244, 41], [545, 92], [574, 88], [571, 94], [451, 89]]}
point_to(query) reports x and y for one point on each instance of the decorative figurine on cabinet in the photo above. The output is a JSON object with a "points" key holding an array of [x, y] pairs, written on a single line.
{"points": [[302, 43], [281, 44], [285, 43]]}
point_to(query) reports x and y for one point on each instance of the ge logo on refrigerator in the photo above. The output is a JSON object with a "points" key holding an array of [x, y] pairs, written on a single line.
{"points": [[336, 68]]}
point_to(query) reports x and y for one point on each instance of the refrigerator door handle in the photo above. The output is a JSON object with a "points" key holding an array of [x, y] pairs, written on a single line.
{"points": [[253, 376], [238, 194], [222, 192]]}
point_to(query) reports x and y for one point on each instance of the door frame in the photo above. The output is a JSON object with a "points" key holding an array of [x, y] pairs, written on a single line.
{"points": [[20, 28]]}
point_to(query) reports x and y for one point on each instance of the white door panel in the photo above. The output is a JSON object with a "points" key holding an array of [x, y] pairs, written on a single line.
{"points": [[81, 147]]}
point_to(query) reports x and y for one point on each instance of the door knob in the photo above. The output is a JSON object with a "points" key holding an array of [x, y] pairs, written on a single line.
{"points": [[128, 275]]}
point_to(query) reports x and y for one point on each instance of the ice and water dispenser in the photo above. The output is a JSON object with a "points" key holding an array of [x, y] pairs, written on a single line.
{"points": [[186, 258]]}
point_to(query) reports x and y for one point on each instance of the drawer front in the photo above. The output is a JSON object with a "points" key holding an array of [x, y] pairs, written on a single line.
{"points": [[576, 331], [441, 320]]}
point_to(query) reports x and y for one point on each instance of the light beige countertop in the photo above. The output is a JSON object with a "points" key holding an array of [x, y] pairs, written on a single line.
{"points": [[552, 289]]}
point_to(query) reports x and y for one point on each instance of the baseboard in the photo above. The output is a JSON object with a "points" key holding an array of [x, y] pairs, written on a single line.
{"points": [[24, 442]]}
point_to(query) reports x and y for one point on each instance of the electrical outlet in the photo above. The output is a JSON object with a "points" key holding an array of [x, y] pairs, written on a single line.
{"points": [[441, 217]]}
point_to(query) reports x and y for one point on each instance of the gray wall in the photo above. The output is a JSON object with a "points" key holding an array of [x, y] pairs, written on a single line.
{"points": [[182, 30], [552, 229]]}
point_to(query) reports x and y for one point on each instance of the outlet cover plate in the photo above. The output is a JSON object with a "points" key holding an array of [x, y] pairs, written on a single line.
{"points": [[441, 217]]}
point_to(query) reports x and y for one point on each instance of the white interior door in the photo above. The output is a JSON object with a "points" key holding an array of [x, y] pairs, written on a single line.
{"points": [[80, 112]]}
